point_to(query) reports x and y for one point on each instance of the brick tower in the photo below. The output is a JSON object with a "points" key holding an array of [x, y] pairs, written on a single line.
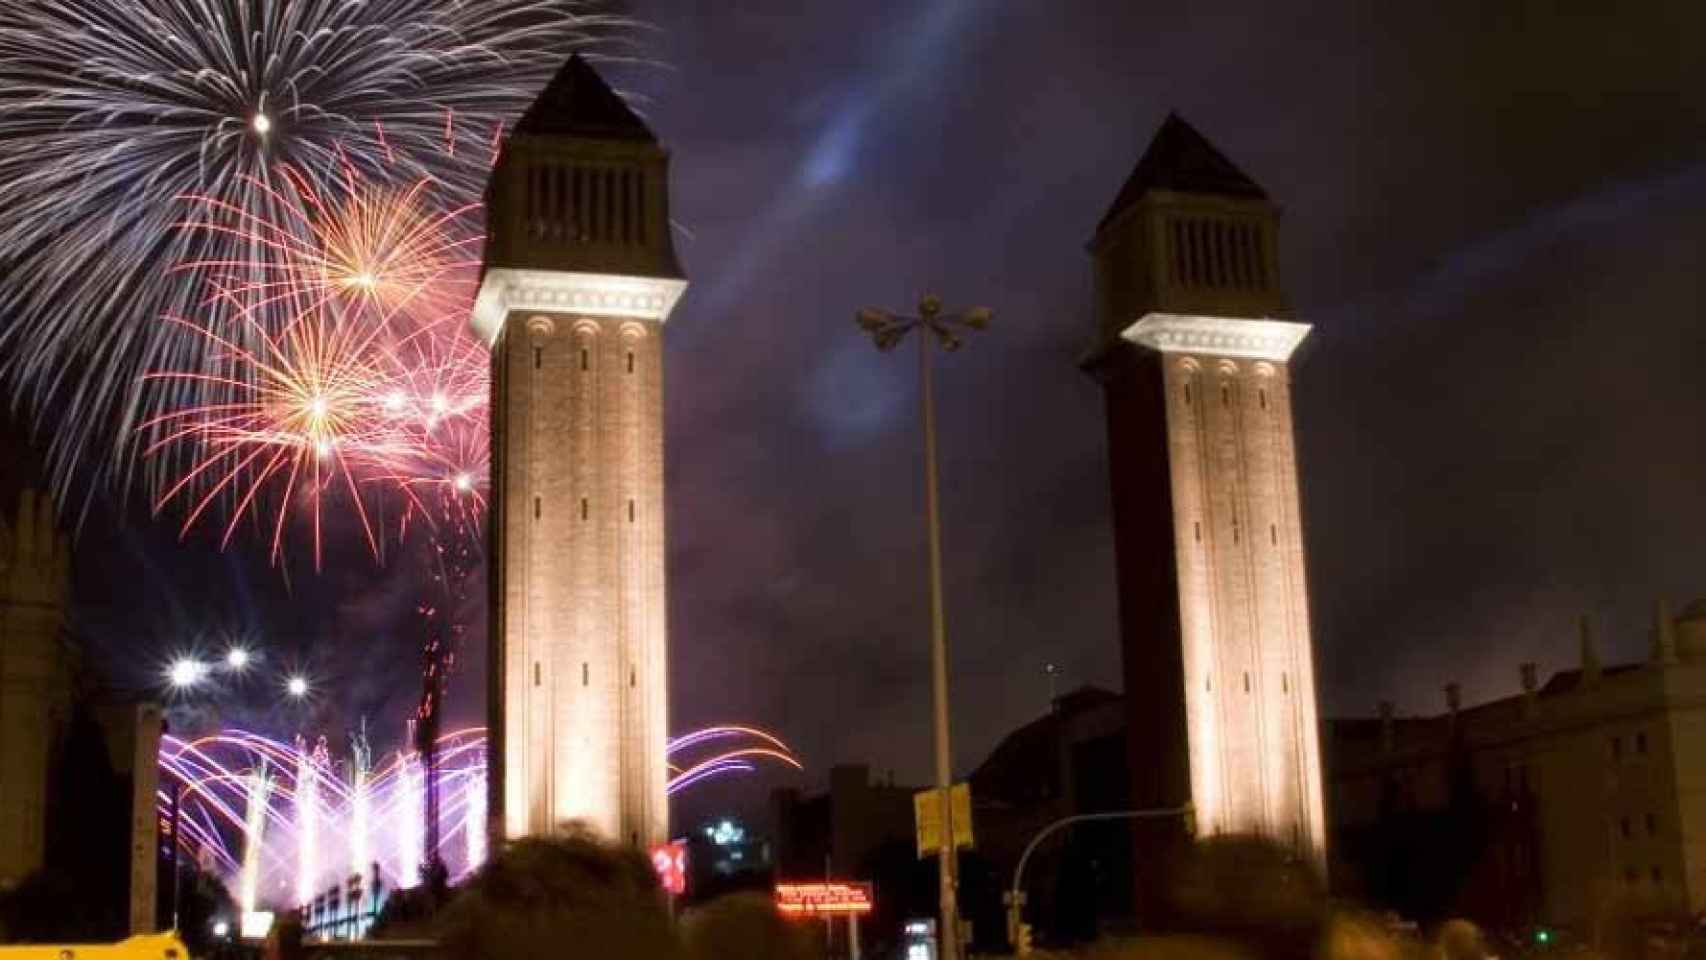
{"points": [[1194, 355], [580, 276]]}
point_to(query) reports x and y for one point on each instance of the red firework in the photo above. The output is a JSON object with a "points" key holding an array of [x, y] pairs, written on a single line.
{"points": [[336, 368]]}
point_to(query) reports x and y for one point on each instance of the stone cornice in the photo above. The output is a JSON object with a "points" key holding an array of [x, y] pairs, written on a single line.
{"points": [[506, 291], [1254, 339]]}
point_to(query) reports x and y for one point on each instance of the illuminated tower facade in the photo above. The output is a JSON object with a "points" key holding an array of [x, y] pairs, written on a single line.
{"points": [[580, 275], [1194, 353]]}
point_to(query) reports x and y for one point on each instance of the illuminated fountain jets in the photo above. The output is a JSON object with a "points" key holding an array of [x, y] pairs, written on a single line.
{"points": [[361, 765], [307, 800], [409, 823], [474, 821], [271, 817], [254, 830]]}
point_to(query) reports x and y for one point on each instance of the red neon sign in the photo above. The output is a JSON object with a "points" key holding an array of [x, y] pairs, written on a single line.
{"points": [[670, 861], [814, 899]]}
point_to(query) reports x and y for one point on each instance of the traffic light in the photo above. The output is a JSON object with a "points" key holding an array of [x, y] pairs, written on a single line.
{"points": [[1023, 947], [1542, 936]]}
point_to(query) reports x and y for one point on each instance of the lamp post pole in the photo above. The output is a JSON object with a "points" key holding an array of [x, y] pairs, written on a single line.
{"points": [[887, 331]]}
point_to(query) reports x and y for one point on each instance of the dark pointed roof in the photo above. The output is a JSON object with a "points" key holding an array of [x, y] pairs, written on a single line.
{"points": [[1182, 160], [578, 103]]}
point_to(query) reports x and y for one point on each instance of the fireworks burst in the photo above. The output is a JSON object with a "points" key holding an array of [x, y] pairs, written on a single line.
{"points": [[334, 366], [111, 110]]}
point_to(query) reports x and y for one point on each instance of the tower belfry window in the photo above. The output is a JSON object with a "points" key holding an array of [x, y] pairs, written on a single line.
{"points": [[585, 358], [630, 361]]}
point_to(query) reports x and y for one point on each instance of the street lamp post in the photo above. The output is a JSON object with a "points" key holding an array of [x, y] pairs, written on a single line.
{"points": [[887, 331]]}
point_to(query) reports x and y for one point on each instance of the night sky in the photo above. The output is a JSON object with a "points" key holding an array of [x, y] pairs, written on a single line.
{"points": [[1493, 215]]}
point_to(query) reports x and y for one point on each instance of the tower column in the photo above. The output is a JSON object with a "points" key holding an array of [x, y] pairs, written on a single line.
{"points": [[579, 278], [1195, 355]]}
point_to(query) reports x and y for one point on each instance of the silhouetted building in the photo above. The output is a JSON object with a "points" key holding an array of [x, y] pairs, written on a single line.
{"points": [[838, 832], [77, 766], [1579, 800], [858, 830], [724, 856], [1194, 355], [1070, 761]]}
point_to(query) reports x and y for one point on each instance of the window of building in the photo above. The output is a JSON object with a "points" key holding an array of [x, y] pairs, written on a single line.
{"points": [[1641, 743], [1616, 747], [1623, 827], [1630, 876], [1658, 877], [1652, 825], [630, 361]]}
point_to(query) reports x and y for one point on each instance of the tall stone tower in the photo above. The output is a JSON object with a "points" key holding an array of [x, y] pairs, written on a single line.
{"points": [[34, 681], [1194, 354], [580, 275]]}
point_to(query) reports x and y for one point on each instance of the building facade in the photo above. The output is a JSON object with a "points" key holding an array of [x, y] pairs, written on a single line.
{"points": [[1578, 802], [580, 275], [35, 677], [1195, 360], [78, 767]]}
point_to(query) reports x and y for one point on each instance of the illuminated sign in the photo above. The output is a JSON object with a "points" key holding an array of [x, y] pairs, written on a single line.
{"points": [[927, 814], [827, 897], [670, 861]]}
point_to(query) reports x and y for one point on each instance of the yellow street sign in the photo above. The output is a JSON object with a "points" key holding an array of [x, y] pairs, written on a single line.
{"points": [[927, 814]]}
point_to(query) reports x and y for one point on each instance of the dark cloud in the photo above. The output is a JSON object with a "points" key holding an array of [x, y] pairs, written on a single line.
{"points": [[1492, 214]]}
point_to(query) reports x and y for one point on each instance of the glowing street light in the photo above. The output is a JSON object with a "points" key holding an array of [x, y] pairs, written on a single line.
{"points": [[237, 658], [185, 673], [887, 331], [297, 686]]}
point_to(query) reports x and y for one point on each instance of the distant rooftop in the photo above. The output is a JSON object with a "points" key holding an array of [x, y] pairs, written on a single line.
{"points": [[578, 103], [1182, 160]]}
